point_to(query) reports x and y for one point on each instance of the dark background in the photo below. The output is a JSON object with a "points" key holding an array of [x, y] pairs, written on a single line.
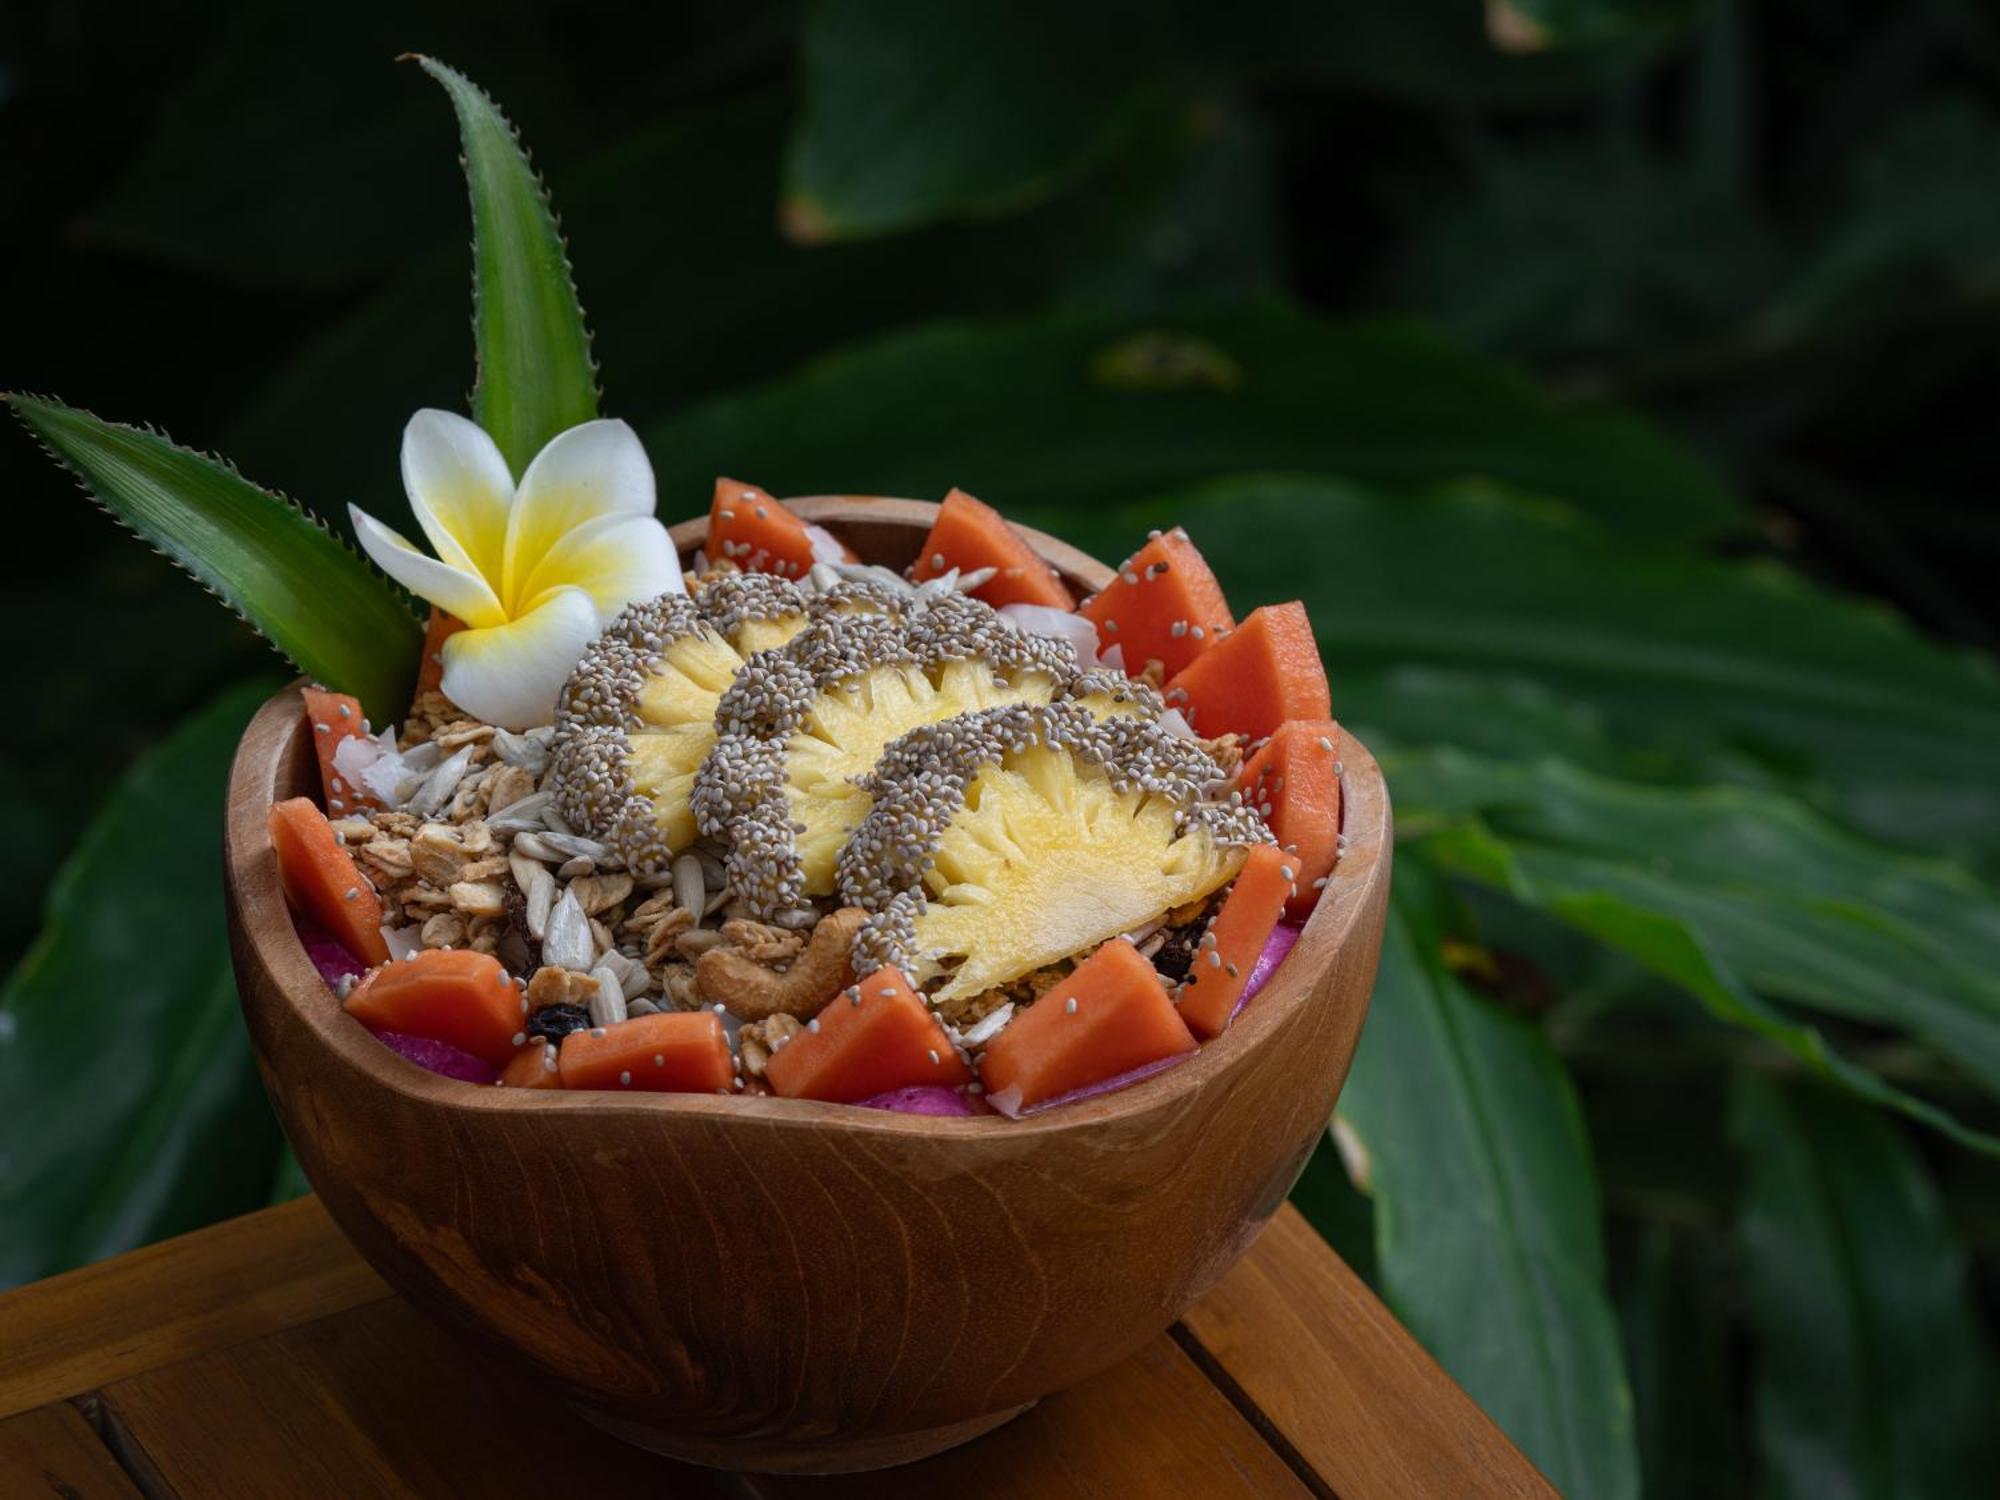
{"points": [[1774, 226]]}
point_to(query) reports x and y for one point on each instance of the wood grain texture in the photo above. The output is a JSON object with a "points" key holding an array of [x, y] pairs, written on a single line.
{"points": [[768, 1282], [52, 1454], [196, 1293], [1342, 1384]]}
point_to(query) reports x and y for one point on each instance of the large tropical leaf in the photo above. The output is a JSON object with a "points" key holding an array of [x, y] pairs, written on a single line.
{"points": [[131, 1107], [1487, 1237], [1873, 1377], [1740, 896], [765, 303], [1718, 668], [914, 111], [535, 373], [1086, 409], [303, 589]]}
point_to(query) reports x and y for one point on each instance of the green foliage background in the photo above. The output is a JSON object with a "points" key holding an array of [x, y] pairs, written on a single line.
{"points": [[1612, 378]]}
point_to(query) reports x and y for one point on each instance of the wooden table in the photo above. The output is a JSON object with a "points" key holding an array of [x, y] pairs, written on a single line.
{"points": [[261, 1357]]}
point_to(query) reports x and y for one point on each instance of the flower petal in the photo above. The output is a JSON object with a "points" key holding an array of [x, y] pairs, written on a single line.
{"points": [[615, 559], [512, 674], [592, 470], [460, 489], [452, 590]]}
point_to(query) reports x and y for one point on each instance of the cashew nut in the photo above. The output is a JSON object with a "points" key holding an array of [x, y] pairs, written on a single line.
{"points": [[728, 977]]}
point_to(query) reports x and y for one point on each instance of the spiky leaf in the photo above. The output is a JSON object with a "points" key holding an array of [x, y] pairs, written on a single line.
{"points": [[301, 587], [535, 375]]}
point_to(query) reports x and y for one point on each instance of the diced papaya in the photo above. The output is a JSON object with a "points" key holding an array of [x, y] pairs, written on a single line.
{"points": [[322, 881], [430, 666], [868, 1040], [1237, 934], [1294, 784], [747, 527], [1163, 606], [452, 995], [336, 718], [533, 1067], [1110, 1016], [1262, 673], [970, 534], [668, 1052]]}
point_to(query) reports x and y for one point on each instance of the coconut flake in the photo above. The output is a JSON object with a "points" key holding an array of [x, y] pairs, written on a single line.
{"points": [[1057, 624], [1175, 722], [826, 546], [988, 1026], [403, 942]]}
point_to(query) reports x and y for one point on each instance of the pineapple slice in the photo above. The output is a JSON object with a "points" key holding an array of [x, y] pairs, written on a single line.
{"points": [[1004, 842], [805, 724], [848, 726], [638, 714]]}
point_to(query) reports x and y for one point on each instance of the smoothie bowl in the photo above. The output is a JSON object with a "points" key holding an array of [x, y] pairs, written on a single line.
{"points": [[906, 969]]}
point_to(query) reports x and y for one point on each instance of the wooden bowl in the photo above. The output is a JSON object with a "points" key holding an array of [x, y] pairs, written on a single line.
{"points": [[778, 1285]]}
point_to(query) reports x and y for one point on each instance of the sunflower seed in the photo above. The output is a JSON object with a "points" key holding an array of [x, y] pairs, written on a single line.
{"points": [[690, 885], [521, 750], [988, 1025], [570, 869], [568, 943], [575, 846], [522, 816], [607, 1006], [440, 784], [541, 892], [535, 846]]}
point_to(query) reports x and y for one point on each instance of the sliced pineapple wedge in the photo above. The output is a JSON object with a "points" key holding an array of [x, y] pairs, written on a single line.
{"points": [[638, 715], [1002, 842], [804, 726]]}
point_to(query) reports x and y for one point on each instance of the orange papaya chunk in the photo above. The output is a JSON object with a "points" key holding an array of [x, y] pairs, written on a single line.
{"points": [[1237, 934], [533, 1067], [757, 533], [1163, 606], [451, 995], [868, 1040], [322, 881], [336, 718], [668, 1052], [1110, 1016], [968, 535], [1262, 673], [430, 666], [1293, 783]]}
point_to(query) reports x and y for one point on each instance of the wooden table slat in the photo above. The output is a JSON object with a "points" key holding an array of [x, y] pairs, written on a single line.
{"points": [[1343, 1384], [52, 1452], [181, 1297], [262, 1356]]}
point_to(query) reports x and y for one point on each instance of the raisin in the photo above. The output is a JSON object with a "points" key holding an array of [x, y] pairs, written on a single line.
{"points": [[554, 1022], [1175, 956]]}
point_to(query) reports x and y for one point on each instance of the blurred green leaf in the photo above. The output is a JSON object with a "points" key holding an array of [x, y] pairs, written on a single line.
{"points": [[304, 590], [535, 375], [1873, 1377], [1187, 212], [1486, 1215], [1533, 25], [1736, 895], [914, 111], [1704, 665], [1086, 409], [133, 1110]]}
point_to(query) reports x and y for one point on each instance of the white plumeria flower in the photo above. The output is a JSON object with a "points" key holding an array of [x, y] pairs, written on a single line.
{"points": [[534, 570]]}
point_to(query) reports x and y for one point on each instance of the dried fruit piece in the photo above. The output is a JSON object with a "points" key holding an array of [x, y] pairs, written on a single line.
{"points": [[1110, 1016], [969, 535], [1003, 841]]}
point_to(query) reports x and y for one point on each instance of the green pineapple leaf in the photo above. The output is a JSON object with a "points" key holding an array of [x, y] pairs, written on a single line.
{"points": [[296, 583], [535, 374]]}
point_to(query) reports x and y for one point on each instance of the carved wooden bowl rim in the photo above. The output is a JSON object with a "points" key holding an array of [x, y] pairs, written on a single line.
{"points": [[271, 753]]}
